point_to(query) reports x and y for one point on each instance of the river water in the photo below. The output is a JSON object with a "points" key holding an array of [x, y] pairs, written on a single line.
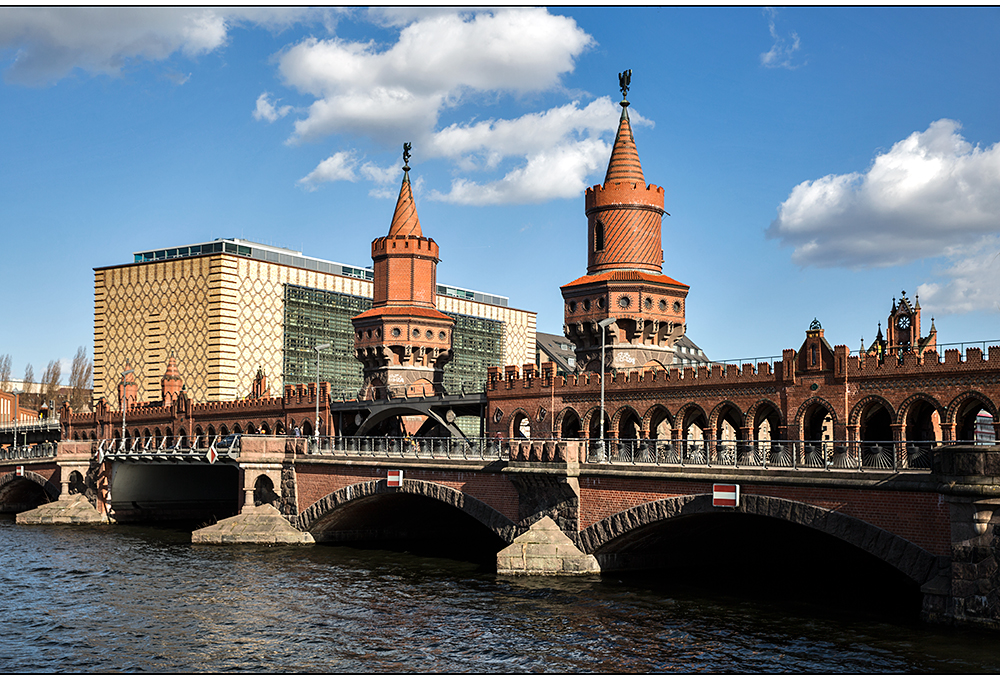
{"points": [[140, 599]]}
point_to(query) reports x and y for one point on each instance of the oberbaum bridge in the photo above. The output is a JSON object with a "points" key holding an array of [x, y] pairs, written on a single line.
{"points": [[873, 450]]}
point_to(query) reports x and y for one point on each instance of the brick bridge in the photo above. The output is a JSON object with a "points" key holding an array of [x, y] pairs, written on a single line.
{"points": [[935, 527]]}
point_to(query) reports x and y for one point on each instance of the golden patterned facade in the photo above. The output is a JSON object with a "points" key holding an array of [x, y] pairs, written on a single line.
{"points": [[222, 316]]}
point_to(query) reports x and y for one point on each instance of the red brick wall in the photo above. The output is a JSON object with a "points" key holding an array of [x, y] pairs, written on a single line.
{"points": [[922, 518]]}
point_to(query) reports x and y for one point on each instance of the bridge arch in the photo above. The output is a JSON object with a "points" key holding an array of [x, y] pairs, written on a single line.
{"points": [[592, 423], [693, 421], [568, 424], [627, 423], [726, 412], [9, 496], [658, 422], [614, 533], [813, 418], [766, 420], [318, 516], [874, 416]]}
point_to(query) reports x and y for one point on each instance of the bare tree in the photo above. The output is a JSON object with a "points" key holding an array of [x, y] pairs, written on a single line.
{"points": [[28, 386], [4, 373], [50, 381], [80, 379]]}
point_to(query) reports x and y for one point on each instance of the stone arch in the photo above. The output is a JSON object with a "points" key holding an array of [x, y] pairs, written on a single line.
{"points": [[519, 420], [719, 415], [692, 414], [263, 491], [863, 404], [50, 489], [808, 407], [237, 428], [767, 411], [658, 421], [250, 428], [958, 411], [569, 424], [306, 427], [916, 563], [591, 424], [625, 417], [264, 427], [495, 521], [921, 416]]}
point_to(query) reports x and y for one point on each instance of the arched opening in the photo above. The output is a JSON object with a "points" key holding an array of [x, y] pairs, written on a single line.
{"points": [[661, 446], [570, 427], [237, 428], [520, 426], [223, 430], [974, 421], [629, 445], [875, 433], [694, 555], [279, 428], [169, 437], [263, 491], [211, 432], [307, 428], [265, 428], [817, 433], [728, 446], [182, 439], [250, 428], [21, 494], [404, 521], [76, 483], [695, 425], [595, 425], [199, 438]]}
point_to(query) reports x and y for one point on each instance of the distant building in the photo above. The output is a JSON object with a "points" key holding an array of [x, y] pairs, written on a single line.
{"points": [[228, 308], [562, 352]]}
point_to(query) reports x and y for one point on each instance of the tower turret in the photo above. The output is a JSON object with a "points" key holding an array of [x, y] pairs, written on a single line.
{"points": [[403, 341], [624, 278]]}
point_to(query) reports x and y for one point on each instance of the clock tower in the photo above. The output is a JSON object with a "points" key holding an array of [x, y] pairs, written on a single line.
{"points": [[903, 328]]}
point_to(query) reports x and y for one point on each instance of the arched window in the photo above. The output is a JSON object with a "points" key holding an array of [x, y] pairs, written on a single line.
{"points": [[598, 236]]}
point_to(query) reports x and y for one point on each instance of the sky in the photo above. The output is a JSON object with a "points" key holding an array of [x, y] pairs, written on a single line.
{"points": [[816, 161]]}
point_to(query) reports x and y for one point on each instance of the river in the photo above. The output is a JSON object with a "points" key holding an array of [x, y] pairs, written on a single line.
{"points": [[141, 599]]}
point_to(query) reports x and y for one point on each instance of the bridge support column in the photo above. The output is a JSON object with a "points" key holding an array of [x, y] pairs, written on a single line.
{"points": [[969, 594]]}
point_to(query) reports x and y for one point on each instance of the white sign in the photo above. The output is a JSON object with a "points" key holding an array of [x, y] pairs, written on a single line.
{"points": [[395, 478], [19, 471]]}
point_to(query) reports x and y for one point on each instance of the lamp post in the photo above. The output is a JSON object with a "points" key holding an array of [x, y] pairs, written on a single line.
{"points": [[318, 348], [603, 325], [15, 392]]}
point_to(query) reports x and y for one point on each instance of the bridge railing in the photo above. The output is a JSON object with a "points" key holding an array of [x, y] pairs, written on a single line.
{"points": [[825, 455], [449, 448], [43, 450], [145, 446]]}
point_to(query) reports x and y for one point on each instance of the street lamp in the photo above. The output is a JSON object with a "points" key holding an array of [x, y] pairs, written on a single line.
{"points": [[318, 348], [603, 325], [15, 392]]}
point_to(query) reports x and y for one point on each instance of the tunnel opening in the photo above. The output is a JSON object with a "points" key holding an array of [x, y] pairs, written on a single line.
{"points": [[408, 523], [175, 495], [762, 560]]}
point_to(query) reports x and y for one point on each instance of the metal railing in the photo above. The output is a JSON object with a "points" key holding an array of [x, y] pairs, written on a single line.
{"points": [[445, 448], [825, 455], [32, 425], [43, 450], [145, 446]]}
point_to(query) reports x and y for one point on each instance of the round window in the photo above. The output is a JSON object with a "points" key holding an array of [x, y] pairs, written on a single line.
{"points": [[586, 305], [395, 332], [429, 335], [624, 302], [442, 336], [572, 306], [416, 332], [600, 303], [677, 307], [663, 305], [648, 303]]}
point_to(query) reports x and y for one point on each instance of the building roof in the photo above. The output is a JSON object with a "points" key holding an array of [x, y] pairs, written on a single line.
{"points": [[557, 348], [624, 165], [405, 221]]}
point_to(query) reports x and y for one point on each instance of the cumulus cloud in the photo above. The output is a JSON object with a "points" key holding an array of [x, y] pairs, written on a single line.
{"points": [[917, 200], [266, 110], [971, 280], [50, 42], [444, 58], [340, 166], [783, 50]]}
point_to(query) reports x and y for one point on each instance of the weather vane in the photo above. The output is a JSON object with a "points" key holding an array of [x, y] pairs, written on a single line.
{"points": [[624, 80], [406, 155]]}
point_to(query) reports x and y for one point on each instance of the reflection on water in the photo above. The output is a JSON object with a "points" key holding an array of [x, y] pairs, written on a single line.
{"points": [[135, 599]]}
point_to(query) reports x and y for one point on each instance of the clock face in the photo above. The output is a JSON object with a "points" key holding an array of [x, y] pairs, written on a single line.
{"points": [[903, 323]]}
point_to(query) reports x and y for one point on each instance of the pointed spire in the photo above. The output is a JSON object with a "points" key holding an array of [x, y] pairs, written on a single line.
{"points": [[405, 221], [624, 165]]}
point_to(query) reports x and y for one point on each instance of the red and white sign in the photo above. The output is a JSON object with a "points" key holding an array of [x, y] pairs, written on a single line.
{"points": [[725, 495], [212, 455], [19, 471], [395, 478]]}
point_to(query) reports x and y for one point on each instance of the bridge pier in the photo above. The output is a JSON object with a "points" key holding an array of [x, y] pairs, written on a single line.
{"points": [[971, 482]]}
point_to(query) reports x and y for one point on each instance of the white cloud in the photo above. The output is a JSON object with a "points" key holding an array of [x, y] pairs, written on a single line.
{"points": [[972, 280], [919, 199], [340, 166], [783, 50], [444, 58], [266, 110], [50, 42]]}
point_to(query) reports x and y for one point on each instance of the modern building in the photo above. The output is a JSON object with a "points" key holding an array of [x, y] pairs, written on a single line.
{"points": [[229, 307]]}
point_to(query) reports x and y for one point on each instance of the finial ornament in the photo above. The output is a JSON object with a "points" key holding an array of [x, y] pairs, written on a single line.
{"points": [[406, 156], [624, 80], [815, 325]]}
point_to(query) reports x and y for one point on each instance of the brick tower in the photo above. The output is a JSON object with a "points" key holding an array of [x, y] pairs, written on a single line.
{"points": [[403, 341], [624, 278]]}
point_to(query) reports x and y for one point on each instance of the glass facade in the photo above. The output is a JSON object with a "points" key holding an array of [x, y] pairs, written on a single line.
{"points": [[314, 317]]}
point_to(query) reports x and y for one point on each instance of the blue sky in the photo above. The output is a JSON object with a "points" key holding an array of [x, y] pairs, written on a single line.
{"points": [[816, 161]]}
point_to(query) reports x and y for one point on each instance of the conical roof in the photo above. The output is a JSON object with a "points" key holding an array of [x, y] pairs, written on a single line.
{"points": [[404, 220], [624, 165]]}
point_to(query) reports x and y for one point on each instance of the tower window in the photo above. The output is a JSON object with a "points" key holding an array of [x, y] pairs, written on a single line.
{"points": [[598, 236]]}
